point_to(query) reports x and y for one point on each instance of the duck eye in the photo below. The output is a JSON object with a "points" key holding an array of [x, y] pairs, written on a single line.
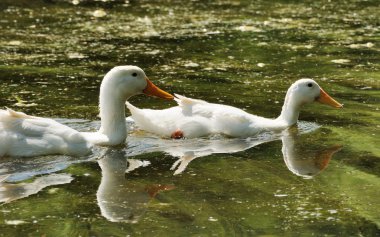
{"points": [[134, 74], [310, 85]]}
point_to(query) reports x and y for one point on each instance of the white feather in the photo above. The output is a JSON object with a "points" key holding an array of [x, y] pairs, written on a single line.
{"points": [[196, 118], [24, 135]]}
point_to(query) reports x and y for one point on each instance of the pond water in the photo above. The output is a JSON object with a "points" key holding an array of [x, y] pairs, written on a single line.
{"points": [[318, 178]]}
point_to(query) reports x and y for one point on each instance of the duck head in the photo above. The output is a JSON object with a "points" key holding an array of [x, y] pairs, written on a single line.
{"points": [[118, 85], [302, 92], [127, 81], [306, 91]]}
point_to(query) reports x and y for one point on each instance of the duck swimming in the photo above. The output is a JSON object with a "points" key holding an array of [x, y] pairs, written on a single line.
{"points": [[196, 118], [25, 135]]}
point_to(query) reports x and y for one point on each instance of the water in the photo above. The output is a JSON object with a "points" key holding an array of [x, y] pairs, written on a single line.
{"points": [[321, 179]]}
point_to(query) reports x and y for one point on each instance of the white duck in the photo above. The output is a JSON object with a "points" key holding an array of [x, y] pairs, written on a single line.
{"points": [[24, 135], [196, 118]]}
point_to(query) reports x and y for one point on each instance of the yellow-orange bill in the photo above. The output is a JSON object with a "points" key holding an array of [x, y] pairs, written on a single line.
{"points": [[324, 98], [154, 189], [153, 90], [323, 158]]}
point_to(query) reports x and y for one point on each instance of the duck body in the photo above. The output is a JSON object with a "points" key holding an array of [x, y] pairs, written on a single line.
{"points": [[196, 118], [24, 135]]}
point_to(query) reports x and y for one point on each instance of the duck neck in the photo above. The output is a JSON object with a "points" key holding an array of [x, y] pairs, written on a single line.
{"points": [[290, 110], [112, 114]]}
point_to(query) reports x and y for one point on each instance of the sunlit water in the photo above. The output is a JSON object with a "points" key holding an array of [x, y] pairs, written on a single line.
{"points": [[320, 178]]}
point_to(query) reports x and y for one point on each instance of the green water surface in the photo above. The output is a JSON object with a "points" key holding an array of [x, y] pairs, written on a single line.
{"points": [[323, 182]]}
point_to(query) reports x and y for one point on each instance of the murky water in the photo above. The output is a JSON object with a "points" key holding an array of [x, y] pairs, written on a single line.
{"points": [[321, 178]]}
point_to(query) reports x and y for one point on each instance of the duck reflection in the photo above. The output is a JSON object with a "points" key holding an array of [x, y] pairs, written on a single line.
{"points": [[123, 200], [303, 162], [13, 191], [300, 161], [119, 199], [38, 170]]}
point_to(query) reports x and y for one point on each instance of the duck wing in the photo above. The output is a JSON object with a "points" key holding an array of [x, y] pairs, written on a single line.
{"points": [[222, 119], [24, 135], [194, 118], [160, 122], [187, 117]]}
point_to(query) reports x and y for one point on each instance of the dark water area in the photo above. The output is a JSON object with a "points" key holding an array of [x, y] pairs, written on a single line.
{"points": [[319, 178]]}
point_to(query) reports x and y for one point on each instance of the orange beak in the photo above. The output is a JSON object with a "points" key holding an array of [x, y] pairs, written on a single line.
{"points": [[324, 98], [323, 158], [153, 90]]}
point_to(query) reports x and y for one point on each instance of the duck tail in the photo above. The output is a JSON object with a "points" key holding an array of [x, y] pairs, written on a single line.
{"points": [[136, 113], [15, 114], [9, 114], [183, 100], [132, 108]]}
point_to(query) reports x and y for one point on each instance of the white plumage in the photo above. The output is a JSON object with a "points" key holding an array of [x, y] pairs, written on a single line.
{"points": [[24, 135], [197, 118]]}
